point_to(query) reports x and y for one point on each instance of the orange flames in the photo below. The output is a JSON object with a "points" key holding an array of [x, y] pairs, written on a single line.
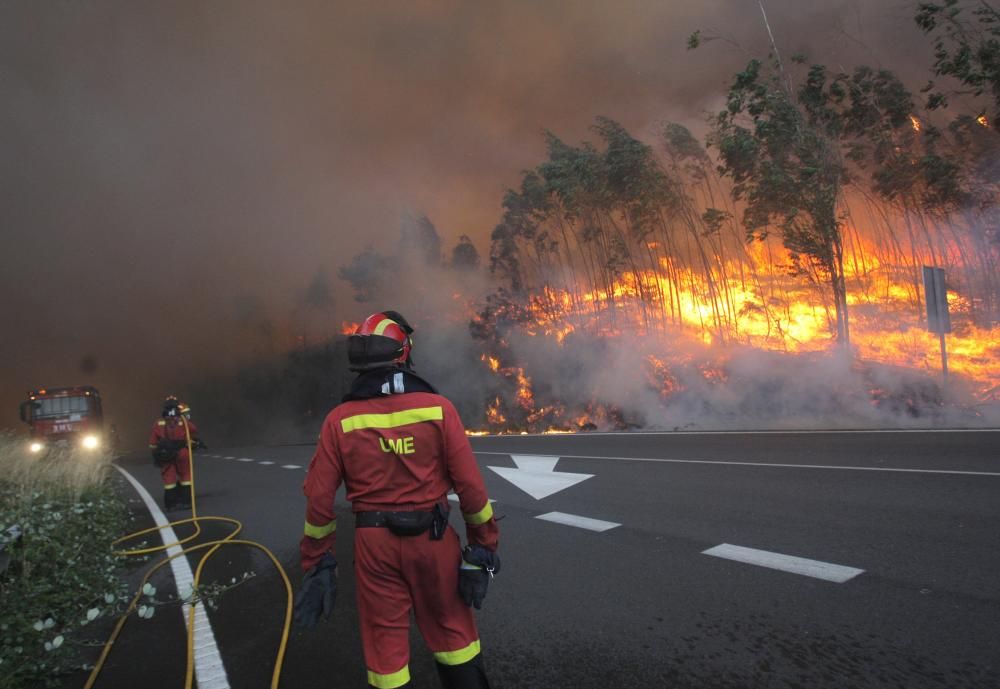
{"points": [[763, 306]]}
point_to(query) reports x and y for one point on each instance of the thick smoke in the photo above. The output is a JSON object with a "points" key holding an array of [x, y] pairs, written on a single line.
{"points": [[676, 383], [182, 182]]}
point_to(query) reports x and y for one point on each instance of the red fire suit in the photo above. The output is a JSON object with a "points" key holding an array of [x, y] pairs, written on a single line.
{"points": [[177, 471], [398, 453]]}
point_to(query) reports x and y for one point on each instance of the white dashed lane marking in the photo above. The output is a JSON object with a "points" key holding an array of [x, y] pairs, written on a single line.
{"points": [[598, 525], [786, 563], [262, 462]]}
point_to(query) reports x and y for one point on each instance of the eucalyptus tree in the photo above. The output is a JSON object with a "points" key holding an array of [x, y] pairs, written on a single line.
{"points": [[789, 174], [966, 46], [464, 255]]}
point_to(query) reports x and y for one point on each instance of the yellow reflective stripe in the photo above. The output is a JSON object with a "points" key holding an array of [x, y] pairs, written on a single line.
{"points": [[383, 324], [185, 483], [462, 655], [320, 531], [396, 679], [168, 486], [480, 517], [393, 420]]}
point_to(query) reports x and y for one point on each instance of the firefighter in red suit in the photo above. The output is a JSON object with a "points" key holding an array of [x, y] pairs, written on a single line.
{"points": [[400, 448], [168, 444]]}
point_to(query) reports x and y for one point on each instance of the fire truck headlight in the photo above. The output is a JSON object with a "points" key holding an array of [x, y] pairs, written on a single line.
{"points": [[35, 447], [90, 442]]}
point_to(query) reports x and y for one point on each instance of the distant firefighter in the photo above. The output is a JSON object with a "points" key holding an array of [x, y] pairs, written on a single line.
{"points": [[400, 448], [168, 443]]}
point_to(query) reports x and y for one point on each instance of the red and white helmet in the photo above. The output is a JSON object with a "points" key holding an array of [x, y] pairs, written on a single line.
{"points": [[383, 339]]}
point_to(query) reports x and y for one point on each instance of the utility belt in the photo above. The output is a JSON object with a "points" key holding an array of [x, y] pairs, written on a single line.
{"points": [[167, 451], [410, 523]]}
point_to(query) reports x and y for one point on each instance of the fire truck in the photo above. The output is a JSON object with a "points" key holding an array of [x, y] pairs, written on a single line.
{"points": [[71, 416]]}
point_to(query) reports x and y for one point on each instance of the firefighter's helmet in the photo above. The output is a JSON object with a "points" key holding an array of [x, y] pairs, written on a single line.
{"points": [[171, 407], [383, 339]]}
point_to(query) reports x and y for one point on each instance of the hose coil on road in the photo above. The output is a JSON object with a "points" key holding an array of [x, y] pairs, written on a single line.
{"points": [[212, 547]]}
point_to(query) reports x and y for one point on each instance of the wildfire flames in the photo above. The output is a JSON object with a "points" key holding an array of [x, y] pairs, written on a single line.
{"points": [[682, 288], [759, 306]]}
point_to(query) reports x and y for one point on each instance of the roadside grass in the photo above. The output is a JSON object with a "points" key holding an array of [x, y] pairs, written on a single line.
{"points": [[59, 574]]}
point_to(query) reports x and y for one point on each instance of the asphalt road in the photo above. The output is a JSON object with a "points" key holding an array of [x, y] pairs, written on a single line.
{"points": [[908, 522]]}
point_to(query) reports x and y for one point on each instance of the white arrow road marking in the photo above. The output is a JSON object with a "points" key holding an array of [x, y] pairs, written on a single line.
{"points": [[578, 521], [208, 667], [535, 475], [786, 563]]}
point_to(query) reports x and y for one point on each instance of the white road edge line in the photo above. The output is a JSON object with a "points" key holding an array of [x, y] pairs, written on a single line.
{"points": [[786, 563], [208, 668], [290, 466], [598, 525], [265, 462], [246, 459], [768, 464]]}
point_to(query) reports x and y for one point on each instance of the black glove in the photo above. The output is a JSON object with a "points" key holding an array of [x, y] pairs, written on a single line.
{"points": [[162, 457], [200, 445], [474, 574], [318, 593]]}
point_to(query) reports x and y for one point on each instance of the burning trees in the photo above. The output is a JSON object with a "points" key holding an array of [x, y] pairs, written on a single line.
{"points": [[788, 172], [685, 283]]}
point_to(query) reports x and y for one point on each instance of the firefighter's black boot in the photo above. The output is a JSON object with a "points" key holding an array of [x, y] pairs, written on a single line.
{"points": [[184, 496], [470, 675], [170, 498]]}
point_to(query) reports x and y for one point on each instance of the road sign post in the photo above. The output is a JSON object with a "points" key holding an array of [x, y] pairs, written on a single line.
{"points": [[938, 319]]}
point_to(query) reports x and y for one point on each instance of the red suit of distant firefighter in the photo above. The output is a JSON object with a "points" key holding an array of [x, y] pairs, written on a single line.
{"points": [[400, 448], [169, 444]]}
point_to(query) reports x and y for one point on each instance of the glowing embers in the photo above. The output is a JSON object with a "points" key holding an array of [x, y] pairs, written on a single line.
{"points": [[494, 415], [519, 384]]}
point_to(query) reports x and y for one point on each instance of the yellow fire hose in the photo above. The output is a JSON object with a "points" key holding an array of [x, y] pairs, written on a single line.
{"points": [[212, 547]]}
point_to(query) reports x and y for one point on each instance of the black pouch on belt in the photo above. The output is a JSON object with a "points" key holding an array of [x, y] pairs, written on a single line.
{"points": [[409, 523], [440, 522]]}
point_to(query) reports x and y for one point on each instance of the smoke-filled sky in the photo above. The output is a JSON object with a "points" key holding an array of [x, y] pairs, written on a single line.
{"points": [[172, 171]]}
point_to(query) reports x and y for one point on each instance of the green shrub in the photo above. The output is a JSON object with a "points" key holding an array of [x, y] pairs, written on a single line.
{"points": [[61, 574]]}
